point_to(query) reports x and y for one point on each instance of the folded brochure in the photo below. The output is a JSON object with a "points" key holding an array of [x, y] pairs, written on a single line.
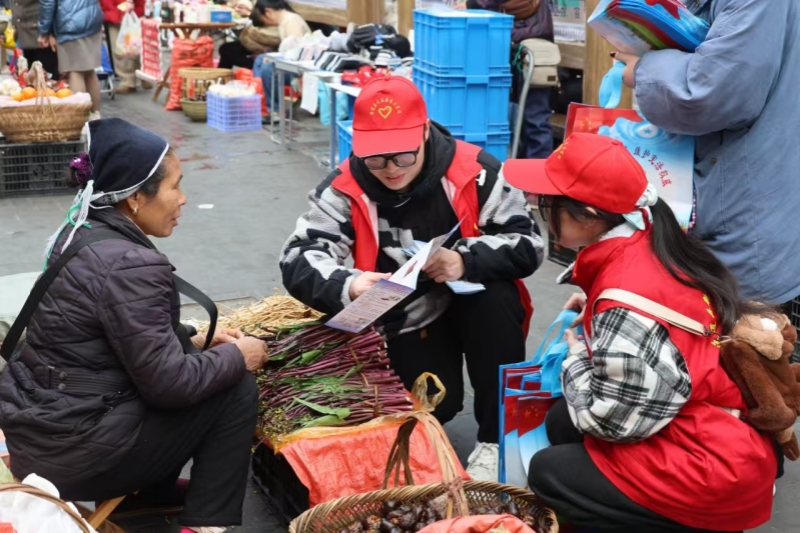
{"points": [[387, 293], [458, 287]]}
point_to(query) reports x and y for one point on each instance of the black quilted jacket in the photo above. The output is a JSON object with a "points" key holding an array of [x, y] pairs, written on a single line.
{"points": [[113, 310]]}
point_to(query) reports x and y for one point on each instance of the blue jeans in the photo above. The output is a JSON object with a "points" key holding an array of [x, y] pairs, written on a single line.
{"points": [[536, 140], [264, 68]]}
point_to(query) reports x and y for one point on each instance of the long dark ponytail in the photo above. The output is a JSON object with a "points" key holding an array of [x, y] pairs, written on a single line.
{"points": [[685, 257]]}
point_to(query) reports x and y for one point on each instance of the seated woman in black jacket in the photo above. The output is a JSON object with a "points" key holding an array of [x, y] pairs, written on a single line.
{"points": [[110, 394]]}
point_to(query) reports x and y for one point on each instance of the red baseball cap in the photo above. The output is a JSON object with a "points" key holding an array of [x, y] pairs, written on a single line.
{"points": [[389, 117], [591, 168]]}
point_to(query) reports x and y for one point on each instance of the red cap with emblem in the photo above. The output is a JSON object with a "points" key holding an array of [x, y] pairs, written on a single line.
{"points": [[591, 168], [389, 117]]}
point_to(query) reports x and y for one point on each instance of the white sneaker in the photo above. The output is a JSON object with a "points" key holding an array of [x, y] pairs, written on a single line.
{"points": [[94, 115], [207, 529], [482, 463]]}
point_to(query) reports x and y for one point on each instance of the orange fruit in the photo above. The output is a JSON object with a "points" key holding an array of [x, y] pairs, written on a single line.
{"points": [[18, 97], [28, 93], [51, 92], [63, 93]]}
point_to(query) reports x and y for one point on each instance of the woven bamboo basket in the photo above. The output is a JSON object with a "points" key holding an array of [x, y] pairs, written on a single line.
{"points": [[338, 515], [197, 111], [195, 81], [44, 122], [33, 491]]}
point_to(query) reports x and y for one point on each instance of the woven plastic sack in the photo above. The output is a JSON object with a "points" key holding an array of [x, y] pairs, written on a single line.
{"points": [[187, 53], [338, 462], [479, 524]]}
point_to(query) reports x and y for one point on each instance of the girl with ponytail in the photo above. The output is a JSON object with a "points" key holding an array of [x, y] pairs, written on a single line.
{"points": [[649, 435]]}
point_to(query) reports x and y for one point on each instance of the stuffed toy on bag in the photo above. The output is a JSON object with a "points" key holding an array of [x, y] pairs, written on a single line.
{"points": [[756, 357]]}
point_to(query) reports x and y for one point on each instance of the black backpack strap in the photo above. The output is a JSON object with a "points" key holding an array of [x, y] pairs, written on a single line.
{"points": [[43, 283], [187, 289]]}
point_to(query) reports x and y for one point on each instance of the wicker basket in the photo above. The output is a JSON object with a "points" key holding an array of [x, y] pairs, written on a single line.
{"points": [[338, 515], [45, 122], [33, 491], [195, 81], [197, 111]]}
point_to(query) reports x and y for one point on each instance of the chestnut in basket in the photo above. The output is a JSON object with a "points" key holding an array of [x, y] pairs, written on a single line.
{"points": [[374, 522]]}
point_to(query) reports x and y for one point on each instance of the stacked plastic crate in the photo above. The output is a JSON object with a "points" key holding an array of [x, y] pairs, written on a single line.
{"points": [[462, 68]]}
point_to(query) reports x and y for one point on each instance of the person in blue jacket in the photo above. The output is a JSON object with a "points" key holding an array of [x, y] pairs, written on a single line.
{"points": [[533, 19], [737, 94], [74, 30]]}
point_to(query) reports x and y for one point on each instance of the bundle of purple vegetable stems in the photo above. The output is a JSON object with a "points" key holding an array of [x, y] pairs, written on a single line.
{"points": [[319, 376]]}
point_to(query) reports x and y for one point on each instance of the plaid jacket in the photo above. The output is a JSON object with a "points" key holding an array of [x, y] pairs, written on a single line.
{"points": [[634, 384]]}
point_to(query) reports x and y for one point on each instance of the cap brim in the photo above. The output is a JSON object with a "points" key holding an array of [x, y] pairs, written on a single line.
{"points": [[367, 143], [529, 175]]}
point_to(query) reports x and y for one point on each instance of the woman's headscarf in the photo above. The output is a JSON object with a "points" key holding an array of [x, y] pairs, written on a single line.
{"points": [[121, 158]]}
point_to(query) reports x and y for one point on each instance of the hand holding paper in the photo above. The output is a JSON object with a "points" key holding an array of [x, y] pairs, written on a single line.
{"points": [[364, 281], [373, 294], [445, 265]]}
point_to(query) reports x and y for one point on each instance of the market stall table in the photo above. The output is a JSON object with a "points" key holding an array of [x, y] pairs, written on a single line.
{"points": [[294, 68], [350, 91], [186, 30]]}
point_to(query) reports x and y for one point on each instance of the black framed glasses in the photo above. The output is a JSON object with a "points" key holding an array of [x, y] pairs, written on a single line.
{"points": [[400, 159], [545, 204]]}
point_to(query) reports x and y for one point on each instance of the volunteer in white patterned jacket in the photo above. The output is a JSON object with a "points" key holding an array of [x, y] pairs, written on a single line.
{"points": [[412, 179]]}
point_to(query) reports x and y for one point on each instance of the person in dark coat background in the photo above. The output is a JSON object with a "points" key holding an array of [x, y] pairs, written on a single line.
{"points": [[110, 394], [25, 18], [533, 20]]}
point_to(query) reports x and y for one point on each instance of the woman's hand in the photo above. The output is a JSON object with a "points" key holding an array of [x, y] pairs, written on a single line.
{"points": [[630, 61], [364, 281], [254, 352], [577, 303], [243, 9], [221, 336]]}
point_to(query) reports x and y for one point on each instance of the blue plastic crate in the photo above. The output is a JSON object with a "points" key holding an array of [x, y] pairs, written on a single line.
{"points": [[463, 42], [345, 128], [494, 143], [242, 113], [466, 104]]}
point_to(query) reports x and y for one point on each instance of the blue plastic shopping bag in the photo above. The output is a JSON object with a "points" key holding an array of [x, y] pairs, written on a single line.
{"points": [[527, 393], [511, 377], [531, 431]]}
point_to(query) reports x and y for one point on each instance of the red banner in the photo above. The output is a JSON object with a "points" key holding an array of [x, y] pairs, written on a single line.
{"points": [[151, 50]]}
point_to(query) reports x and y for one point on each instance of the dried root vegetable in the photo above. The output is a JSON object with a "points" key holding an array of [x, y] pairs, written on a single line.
{"points": [[262, 318], [319, 376]]}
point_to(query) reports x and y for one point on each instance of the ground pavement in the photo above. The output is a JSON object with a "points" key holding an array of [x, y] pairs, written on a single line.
{"points": [[231, 250]]}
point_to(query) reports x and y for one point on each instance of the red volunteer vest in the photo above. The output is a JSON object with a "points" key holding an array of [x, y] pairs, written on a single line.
{"points": [[706, 469], [460, 184]]}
